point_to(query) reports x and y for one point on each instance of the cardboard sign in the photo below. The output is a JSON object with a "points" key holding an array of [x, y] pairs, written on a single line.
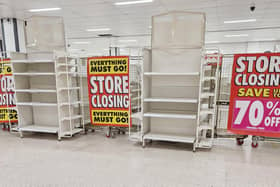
{"points": [[255, 95], [7, 94], [109, 95]]}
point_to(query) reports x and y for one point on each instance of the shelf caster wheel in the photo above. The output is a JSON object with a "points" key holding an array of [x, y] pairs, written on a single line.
{"points": [[113, 135], [59, 139], [240, 141], [255, 144], [20, 135], [119, 131], [143, 144]]}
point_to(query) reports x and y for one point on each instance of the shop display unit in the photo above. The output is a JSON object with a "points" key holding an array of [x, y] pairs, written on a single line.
{"points": [[174, 101], [48, 95], [135, 79], [206, 119]]}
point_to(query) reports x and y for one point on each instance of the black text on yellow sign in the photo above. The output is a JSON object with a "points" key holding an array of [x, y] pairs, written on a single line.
{"points": [[108, 117], [7, 115], [6, 70], [108, 66]]}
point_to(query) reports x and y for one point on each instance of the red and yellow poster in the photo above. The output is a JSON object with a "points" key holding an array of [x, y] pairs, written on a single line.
{"points": [[108, 86], [7, 94], [255, 95]]}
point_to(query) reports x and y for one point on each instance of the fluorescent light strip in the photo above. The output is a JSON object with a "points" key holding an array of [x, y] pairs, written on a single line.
{"points": [[96, 30], [241, 21], [44, 9], [133, 2], [235, 35]]}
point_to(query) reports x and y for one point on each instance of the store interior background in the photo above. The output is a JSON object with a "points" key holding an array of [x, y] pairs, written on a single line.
{"points": [[130, 25]]}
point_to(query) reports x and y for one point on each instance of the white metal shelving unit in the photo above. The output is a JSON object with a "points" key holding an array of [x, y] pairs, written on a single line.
{"points": [[42, 91], [208, 100], [172, 78]]}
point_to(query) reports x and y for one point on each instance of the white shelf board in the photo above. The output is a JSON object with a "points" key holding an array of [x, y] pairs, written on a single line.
{"points": [[26, 61], [205, 127], [171, 100], [207, 94], [67, 65], [169, 137], [174, 116], [135, 98], [39, 128], [135, 90], [171, 74], [73, 103], [137, 115], [71, 118], [205, 143], [74, 131], [209, 78], [35, 104], [207, 111], [35, 90], [70, 88], [35, 74]]}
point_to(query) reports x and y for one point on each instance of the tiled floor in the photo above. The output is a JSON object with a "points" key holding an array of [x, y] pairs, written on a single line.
{"points": [[94, 160]]}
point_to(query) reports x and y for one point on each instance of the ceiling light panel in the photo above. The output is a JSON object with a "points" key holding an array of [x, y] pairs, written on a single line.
{"points": [[133, 2], [44, 9], [240, 21]]}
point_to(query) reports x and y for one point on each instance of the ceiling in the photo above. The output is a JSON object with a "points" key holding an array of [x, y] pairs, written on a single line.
{"points": [[133, 22]]}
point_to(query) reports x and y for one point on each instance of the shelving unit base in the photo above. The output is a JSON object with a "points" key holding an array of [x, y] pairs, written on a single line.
{"points": [[168, 138]]}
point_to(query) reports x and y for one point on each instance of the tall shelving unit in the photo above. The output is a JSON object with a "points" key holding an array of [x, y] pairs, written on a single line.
{"points": [[206, 120], [44, 86], [172, 78]]}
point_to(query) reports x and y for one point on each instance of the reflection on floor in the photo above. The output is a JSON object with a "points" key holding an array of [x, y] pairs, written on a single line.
{"points": [[94, 160]]}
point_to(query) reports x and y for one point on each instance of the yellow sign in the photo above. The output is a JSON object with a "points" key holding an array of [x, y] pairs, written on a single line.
{"points": [[108, 66]]}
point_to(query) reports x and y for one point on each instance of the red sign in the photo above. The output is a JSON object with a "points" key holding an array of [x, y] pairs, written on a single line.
{"points": [[255, 95], [7, 94], [109, 96]]}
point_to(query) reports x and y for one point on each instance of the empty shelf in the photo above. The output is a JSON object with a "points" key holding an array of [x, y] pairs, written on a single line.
{"points": [[135, 90], [170, 74], [35, 90], [72, 117], [74, 131], [137, 115], [70, 88], [209, 78], [67, 65], [207, 94], [169, 137], [205, 143], [205, 127], [35, 73], [73, 103], [207, 111], [39, 128], [35, 104], [176, 116], [135, 98], [32, 61], [170, 100]]}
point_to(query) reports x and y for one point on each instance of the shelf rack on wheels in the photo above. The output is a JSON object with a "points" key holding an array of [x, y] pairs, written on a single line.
{"points": [[178, 103], [46, 85]]}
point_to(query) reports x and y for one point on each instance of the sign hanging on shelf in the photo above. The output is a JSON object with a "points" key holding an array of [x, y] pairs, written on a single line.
{"points": [[7, 94], [108, 87], [255, 95]]}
